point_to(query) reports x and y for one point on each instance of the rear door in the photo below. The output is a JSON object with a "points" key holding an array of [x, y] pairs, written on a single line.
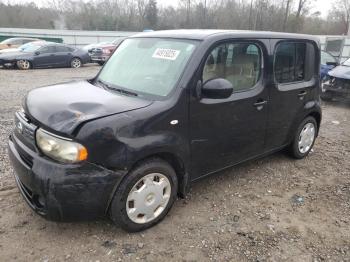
{"points": [[63, 55], [226, 131], [293, 85]]}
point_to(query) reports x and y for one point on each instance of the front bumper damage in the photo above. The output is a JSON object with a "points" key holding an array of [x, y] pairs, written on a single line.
{"points": [[7, 63], [62, 192], [337, 87]]}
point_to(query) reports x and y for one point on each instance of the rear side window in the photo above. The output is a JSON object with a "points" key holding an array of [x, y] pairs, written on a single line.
{"points": [[47, 49], [239, 63], [63, 49], [290, 62]]}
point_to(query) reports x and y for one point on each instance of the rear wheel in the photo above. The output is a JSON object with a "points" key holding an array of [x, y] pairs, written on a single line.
{"points": [[304, 138], [24, 64], [101, 63], [76, 62], [145, 196]]}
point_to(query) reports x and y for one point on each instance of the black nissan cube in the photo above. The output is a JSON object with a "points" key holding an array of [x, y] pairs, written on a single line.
{"points": [[167, 109]]}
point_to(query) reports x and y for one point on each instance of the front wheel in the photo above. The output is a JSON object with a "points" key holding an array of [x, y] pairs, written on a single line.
{"points": [[24, 64], [76, 62], [304, 138], [145, 196]]}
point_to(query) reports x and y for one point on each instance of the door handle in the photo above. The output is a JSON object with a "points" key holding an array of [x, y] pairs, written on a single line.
{"points": [[260, 103], [302, 93]]}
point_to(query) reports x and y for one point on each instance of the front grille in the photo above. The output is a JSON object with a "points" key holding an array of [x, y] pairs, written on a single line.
{"points": [[95, 51], [34, 200], [26, 158], [25, 130]]}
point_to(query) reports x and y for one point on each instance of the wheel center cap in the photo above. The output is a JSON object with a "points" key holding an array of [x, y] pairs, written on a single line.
{"points": [[150, 198]]}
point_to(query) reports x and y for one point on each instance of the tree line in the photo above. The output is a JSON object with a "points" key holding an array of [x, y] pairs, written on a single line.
{"points": [[137, 15]]}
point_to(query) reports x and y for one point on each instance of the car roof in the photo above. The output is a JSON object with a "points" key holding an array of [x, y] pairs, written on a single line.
{"points": [[56, 44], [202, 34], [23, 38]]}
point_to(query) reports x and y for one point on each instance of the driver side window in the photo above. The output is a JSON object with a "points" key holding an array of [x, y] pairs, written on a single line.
{"points": [[239, 63]]}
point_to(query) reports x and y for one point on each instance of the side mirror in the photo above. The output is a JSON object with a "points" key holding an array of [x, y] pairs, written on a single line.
{"points": [[37, 53], [217, 88], [332, 63]]}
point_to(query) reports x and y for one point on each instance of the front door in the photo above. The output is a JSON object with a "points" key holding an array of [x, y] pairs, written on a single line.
{"points": [[46, 56], [226, 131]]}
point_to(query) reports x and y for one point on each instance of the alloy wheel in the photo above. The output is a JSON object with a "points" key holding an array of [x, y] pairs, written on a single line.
{"points": [[76, 63], [23, 64]]}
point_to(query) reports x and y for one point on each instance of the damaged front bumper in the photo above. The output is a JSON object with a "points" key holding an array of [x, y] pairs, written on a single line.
{"points": [[7, 63], [62, 192], [337, 87]]}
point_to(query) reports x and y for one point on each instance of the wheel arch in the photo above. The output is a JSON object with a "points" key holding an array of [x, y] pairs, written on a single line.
{"points": [[315, 112], [74, 57], [175, 162], [317, 116]]}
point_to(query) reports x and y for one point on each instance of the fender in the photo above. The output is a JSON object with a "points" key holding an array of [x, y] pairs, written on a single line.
{"points": [[311, 108]]}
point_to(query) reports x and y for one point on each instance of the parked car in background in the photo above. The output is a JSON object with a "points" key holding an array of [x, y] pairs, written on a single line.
{"points": [[15, 42], [336, 84], [45, 55], [103, 51], [328, 62], [22, 47], [168, 108], [90, 46]]}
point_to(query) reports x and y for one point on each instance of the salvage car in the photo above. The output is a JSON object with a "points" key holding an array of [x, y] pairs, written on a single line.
{"points": [[103, 51], [45, 55], [328, 62], [168, 108], [22, 47], [15, 42], [336, 84]]}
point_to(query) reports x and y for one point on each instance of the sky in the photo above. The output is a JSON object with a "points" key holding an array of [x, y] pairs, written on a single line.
{"points": [[322, 6]]}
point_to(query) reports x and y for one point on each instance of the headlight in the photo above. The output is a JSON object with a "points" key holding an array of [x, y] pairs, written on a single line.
{"points": [[60, 149], [106, 51]]}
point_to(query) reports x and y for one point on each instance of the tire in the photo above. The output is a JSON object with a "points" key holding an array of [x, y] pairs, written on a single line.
{"points": [[140, 201], [75, 62], [303, 143], [24, 64], [101, 63], [327, 96]]}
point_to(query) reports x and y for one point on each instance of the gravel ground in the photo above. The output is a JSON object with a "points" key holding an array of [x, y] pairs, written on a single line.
{"points": [[272, 209]]}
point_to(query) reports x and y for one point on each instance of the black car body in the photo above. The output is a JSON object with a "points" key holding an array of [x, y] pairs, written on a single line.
{"points": [[193, 121], [336, 84], [44, 55]]}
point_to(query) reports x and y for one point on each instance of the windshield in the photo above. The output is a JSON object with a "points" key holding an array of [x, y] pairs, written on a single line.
{"points": [[147, 66], [8, 41], [326, 58], [28, 48], [347, 62]]}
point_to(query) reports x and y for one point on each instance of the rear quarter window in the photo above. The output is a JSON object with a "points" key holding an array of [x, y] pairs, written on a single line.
{"points": [[294, 62]]}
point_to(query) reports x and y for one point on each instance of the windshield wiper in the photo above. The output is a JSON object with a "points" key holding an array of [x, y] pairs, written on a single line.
{"points": [[122, 91], [117, 89]]}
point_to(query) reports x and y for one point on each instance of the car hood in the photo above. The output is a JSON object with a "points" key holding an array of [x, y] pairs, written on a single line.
{"points": [[14, 55], [9, 50], [340, 72], [65, 106]]}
